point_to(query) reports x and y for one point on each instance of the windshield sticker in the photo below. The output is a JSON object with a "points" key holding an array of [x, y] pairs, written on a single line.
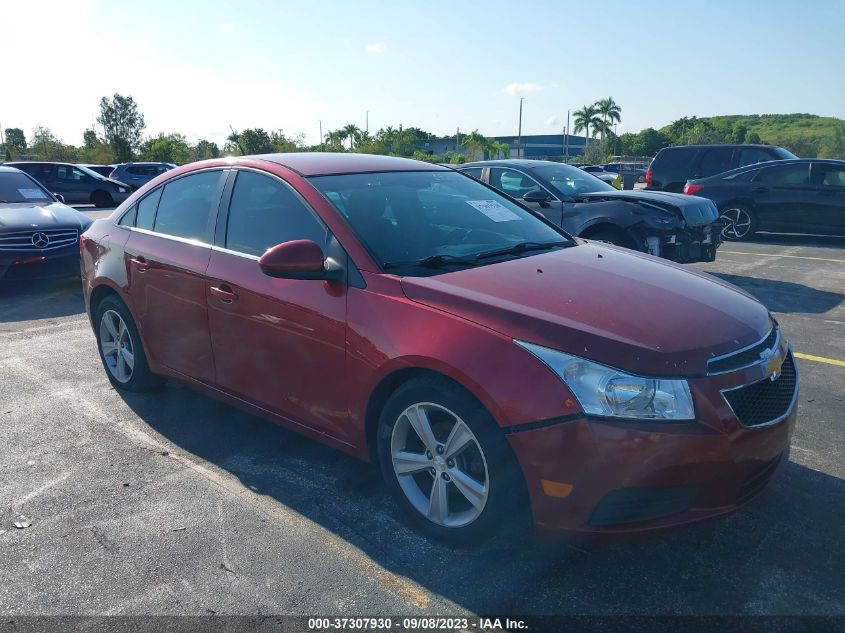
{"points": [[494, 210], [29, 194]]}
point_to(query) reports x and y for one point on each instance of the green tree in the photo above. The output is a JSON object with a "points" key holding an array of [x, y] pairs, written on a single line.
{"points": [[586, 118], [252, 141], [610, 112], [47, 146], [334, 141], [89, 139], [353, 133], [752, 138], [204, 150], [167, 148], [476, 144], [740, 131], [123, 125], [15, 141]]}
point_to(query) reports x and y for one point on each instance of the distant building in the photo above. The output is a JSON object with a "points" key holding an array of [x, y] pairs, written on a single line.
{"points": [[536, 146]]}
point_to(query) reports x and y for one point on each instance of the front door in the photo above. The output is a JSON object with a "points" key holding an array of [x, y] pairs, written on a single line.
{"points": [[278, 343], [782, 198]]}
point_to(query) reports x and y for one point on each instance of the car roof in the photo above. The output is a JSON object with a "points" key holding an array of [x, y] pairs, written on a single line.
{"points": [[673, 147], [7, 168], [328, 163], [774, 163], [512, 162]]}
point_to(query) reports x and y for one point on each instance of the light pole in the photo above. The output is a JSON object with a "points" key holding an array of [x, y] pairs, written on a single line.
{"points": [[519, 139]]}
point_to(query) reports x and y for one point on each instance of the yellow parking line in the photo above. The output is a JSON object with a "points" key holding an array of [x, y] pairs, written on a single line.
{"points": [[820, 259], [819, 359]]}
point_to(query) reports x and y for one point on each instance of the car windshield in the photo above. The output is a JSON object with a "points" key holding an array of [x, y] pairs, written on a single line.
{"points": [[571, 181], [18, 187], [90, 172], [418, 223]]}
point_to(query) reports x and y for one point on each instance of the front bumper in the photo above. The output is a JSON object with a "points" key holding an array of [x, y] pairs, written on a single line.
{"points": [[599, 477], [686, 246], [24, 266]]}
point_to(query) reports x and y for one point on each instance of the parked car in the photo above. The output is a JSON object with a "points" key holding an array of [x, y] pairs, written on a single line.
{"points": [[624, 169], [667, 225], [39, 236], [138, 174], [499, 371], [600, 173], [75, 183], [103, 170], [673, 166], [787, 196]]}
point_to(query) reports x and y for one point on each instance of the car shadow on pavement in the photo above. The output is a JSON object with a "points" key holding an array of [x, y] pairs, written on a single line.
{"points": [[40, 299], [775, 557], [785, 296]]}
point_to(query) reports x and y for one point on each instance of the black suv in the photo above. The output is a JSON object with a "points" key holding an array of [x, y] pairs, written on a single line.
{"points": [[673, 166]]}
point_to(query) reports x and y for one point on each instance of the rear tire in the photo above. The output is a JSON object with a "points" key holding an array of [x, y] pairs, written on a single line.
{"points": [[448, 465], [120, 347], [739, 222], [102, 199]]}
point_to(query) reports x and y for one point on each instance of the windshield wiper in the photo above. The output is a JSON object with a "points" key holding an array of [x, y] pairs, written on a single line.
{"points": [[521, 247], [432, 261]]}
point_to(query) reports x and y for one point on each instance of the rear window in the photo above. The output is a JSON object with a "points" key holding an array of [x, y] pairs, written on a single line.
{"points": [[715, 161], [187, 204]]}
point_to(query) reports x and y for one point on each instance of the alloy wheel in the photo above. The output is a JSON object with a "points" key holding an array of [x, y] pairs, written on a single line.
{"points": [[116, 345], [737, 224], [440, 465]]}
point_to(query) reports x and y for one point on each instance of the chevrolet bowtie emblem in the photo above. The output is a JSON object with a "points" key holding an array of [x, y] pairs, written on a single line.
{"points": [[772, 360]]}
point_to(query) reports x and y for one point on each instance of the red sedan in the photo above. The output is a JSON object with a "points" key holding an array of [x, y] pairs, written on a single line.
{"points": [[499, 370]]}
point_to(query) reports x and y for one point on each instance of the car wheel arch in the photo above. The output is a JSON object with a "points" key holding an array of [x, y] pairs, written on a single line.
{"points": [[607, 227], [392, 381]]}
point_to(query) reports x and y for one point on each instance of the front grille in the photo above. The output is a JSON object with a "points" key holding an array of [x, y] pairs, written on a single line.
{"points": [[757, 480], [765, 401], [743, 358], [46, 240]]}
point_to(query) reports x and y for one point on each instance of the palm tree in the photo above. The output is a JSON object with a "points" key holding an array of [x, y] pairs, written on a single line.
{"points": [[585, 118], [610, 112], [353, 133]]}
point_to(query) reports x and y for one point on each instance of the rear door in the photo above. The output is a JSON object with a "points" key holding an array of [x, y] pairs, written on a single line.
{"points": [[278, 343], [783, 199], [828, 185], [167, 257]]}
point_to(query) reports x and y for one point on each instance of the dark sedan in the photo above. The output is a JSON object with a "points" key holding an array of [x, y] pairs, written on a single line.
{"points": [[39, 236], [76, 184], [782, 196], [668, 225]]}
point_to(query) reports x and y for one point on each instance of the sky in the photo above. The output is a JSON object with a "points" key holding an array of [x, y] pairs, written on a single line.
{"points": [[198, 67]]}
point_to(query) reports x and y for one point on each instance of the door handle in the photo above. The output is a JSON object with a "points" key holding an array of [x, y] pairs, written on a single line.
{"points": [[141, 264], [224, 293]]}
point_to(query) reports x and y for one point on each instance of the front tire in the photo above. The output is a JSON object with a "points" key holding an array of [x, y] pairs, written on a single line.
{"points": [[738, 222], [448, 464], [121, 350], [102, 199]]}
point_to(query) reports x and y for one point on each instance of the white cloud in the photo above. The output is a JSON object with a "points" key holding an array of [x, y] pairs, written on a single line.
{"points": [[517, 88], [552, 121], [376, 48]]}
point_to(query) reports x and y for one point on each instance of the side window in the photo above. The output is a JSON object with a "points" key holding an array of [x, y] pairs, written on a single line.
{"points": [[128, 218], [475, 172], [513, 183], [825, 175], [134, 169], [187, 204], [753, 155], [147, 210], [265, 212], [715, 161], [798, 174]]}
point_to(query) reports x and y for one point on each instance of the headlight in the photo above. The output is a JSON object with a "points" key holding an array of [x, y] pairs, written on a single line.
{"points": [[608, 392]]}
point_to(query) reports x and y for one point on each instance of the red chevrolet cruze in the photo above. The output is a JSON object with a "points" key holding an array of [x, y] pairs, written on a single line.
{"points": [[499, 370]]}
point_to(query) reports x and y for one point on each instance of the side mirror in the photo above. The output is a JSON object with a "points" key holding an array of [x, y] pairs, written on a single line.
{"points": [[537, 196], [299, 259], [59, 197]]}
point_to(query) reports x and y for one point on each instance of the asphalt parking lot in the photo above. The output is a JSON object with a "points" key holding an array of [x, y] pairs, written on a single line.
{"points": [[176, 504]]}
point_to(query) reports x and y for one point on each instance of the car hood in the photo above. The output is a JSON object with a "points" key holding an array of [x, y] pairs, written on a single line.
{"points": [[23, 216], [695, 211], [624, 309]]}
